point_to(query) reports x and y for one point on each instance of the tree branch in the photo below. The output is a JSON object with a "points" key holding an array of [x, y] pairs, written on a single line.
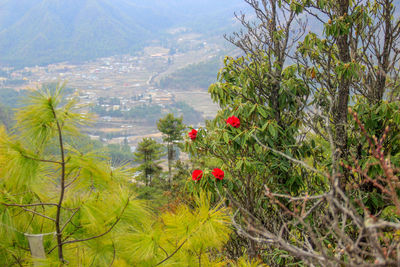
{"points": [[102, 234], [28, 205], [173, 253]]}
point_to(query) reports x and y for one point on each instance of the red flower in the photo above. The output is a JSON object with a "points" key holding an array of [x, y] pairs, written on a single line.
{"points": [[234, 121], [218, 174], [193, 134], [196, 175]]}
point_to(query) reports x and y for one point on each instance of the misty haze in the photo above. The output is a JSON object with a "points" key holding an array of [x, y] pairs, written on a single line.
{"points": [[130, 61]]}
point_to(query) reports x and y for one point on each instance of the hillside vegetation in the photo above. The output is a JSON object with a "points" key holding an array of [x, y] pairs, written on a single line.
{"points": [[299, 167], [194, 76], [48, 31]]}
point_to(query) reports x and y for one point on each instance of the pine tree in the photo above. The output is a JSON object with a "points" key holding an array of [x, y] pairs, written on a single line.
{"points": [[171, 128], [49, 186], [148, 153]]}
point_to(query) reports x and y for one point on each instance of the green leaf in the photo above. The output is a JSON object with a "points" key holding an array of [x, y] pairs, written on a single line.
{"points": [[239, 165], [253, 108], [265, 126], [262, 111], [226, 137], [272, 130]]}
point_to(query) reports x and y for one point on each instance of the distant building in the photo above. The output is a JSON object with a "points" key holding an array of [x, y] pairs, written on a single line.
{"points": [[94, 137], [106, 118]]}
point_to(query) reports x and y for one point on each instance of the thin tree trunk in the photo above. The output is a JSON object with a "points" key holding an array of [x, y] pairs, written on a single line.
{"points": [[383, 59], [170, 158], [60, 201], [342, 98]]}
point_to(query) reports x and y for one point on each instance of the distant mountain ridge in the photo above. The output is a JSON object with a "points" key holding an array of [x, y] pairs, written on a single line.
{"points": [[46, 31]]}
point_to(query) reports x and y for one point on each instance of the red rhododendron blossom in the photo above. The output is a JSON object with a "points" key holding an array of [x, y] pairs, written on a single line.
{"points": [[196, 175], [218, 174], [234, 121], [193, 134]]}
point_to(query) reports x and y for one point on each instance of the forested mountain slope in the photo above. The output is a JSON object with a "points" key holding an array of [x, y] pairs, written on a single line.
{"points": [[46, 31]]}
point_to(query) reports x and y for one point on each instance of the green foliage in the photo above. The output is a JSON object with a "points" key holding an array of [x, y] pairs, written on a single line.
{"points": [[171, 128], [245, 262], [270, 120], [119, 154], [294, 127], [181, 172], [148, 154], [381, 119], [194, 76], [150, 113], [189, 114], [187, 235], [147, 113], [96, 196], [239, 94]]}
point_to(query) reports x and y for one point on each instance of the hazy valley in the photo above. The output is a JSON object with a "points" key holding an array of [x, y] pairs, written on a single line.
{"points": [[119, 58]]}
